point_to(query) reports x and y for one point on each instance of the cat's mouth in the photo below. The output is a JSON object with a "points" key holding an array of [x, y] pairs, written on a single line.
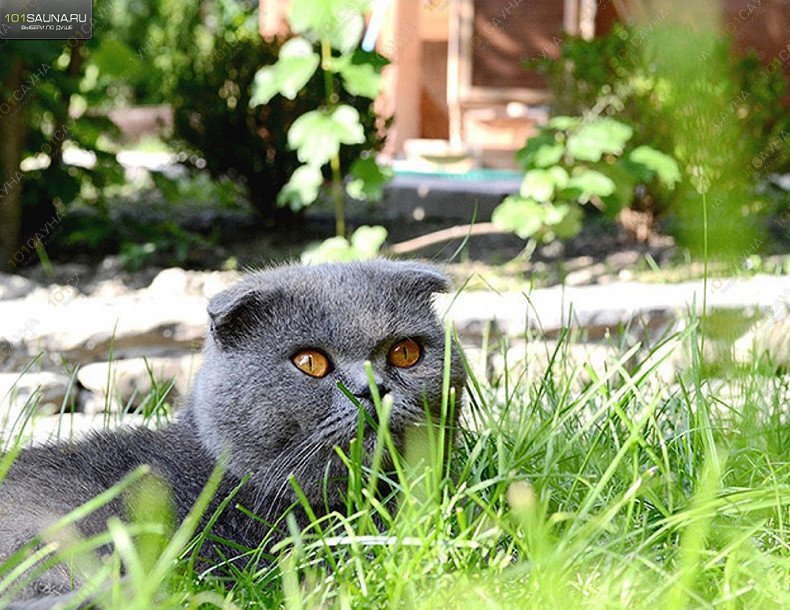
{"points": [[390, 422]]}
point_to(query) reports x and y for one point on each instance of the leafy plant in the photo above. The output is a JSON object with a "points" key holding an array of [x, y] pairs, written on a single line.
{"points": [[249, 143], [573, 162], [334, 28], [737, 128]]}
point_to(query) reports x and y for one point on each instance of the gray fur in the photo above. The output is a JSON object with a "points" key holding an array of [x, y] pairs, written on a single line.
{"points": [[251, 401]]}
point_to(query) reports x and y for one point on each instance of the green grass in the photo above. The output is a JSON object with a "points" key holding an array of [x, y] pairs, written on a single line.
{"points": [[581, 489]]}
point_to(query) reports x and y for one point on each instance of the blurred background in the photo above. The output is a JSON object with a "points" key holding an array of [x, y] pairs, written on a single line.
{"points": [[524, 143], [166, 139]]}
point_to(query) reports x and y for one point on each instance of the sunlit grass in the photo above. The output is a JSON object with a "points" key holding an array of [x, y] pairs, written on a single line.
{"points": [[582, 488]]}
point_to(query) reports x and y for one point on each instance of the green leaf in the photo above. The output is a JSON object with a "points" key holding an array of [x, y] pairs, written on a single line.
{"points": [[591, 183], [522, 216], [317, 135], [62, 180], [563, 123], [597, 137], [367, 241], [540, 151], [116, 58], [565, 220], [296, 64], [559, 176], [368, 179], [664, 166], [334, 249], [264, 86], [361, 79], [546, 156], [302, 189], [624, 178], [374, 58], [338, 21], [538, 184]]}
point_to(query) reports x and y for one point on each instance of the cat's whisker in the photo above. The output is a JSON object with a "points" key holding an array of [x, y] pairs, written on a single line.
{"points": [[284, 485], [278, 467]]}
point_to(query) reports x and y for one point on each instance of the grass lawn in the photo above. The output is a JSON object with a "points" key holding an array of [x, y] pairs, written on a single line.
{"points": [[580, 488]]}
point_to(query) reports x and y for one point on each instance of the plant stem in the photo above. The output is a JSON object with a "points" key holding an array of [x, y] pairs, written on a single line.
{"points": [[337, 195], [704, 273], [326, 56], [337, 176]]}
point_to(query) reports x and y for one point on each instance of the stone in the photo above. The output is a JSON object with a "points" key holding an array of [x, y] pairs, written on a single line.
{"points": [[15, 287], [88, 329], [603, 310], [529, 361], [62, 274], [674, 356], [762, 398], [45, 390], [175, 282], [129, 380], [171, 282], [587, 275], [769, 338]]}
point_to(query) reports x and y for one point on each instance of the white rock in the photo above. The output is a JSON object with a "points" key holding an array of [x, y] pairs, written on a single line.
{"points": [[603, 309], [216, 282], [532, 359], [15, 287], [768, 338], [19, 391], [178, 282], [131, 378], [84, 330], [170, 282]]}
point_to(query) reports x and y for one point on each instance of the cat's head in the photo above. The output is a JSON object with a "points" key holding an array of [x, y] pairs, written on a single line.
{"points": [[282, 342]]}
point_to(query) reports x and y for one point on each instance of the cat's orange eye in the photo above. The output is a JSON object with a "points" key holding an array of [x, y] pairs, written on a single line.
{"points": [[312, 362], [405, 353]]}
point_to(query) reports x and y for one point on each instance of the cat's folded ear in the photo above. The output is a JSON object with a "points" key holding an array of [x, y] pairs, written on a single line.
{"points": [[236, 311], [422, 278]]}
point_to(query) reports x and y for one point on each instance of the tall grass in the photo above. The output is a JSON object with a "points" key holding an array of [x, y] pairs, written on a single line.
{"points": [[591, 488]]}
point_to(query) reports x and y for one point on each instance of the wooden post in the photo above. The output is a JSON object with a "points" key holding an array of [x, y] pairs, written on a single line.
{"points": [[273, 17], [402, 84]]}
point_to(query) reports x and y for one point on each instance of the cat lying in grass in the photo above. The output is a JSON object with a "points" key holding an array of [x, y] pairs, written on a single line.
{"points": [[266, 404]]}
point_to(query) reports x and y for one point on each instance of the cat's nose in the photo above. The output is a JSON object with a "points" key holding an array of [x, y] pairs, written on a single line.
{"points": [[356, 382], [367, 394]]}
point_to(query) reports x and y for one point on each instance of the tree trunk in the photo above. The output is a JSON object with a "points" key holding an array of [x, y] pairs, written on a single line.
{"points": [[12, 138]]}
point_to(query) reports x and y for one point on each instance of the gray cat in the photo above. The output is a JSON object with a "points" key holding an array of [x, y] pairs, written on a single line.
{"points": [[267, 399]]}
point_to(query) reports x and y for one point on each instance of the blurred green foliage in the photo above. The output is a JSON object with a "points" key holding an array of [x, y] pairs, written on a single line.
{"points": [[327, 41], [214, 119], [364, 244], [57, 86], [179, 221], [573, 162], [329, 34], [198, 57], [686, 93], [610, 73]]}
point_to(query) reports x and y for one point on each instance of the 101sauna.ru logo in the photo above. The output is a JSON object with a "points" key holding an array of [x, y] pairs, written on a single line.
{"points": [[44, 21]]}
